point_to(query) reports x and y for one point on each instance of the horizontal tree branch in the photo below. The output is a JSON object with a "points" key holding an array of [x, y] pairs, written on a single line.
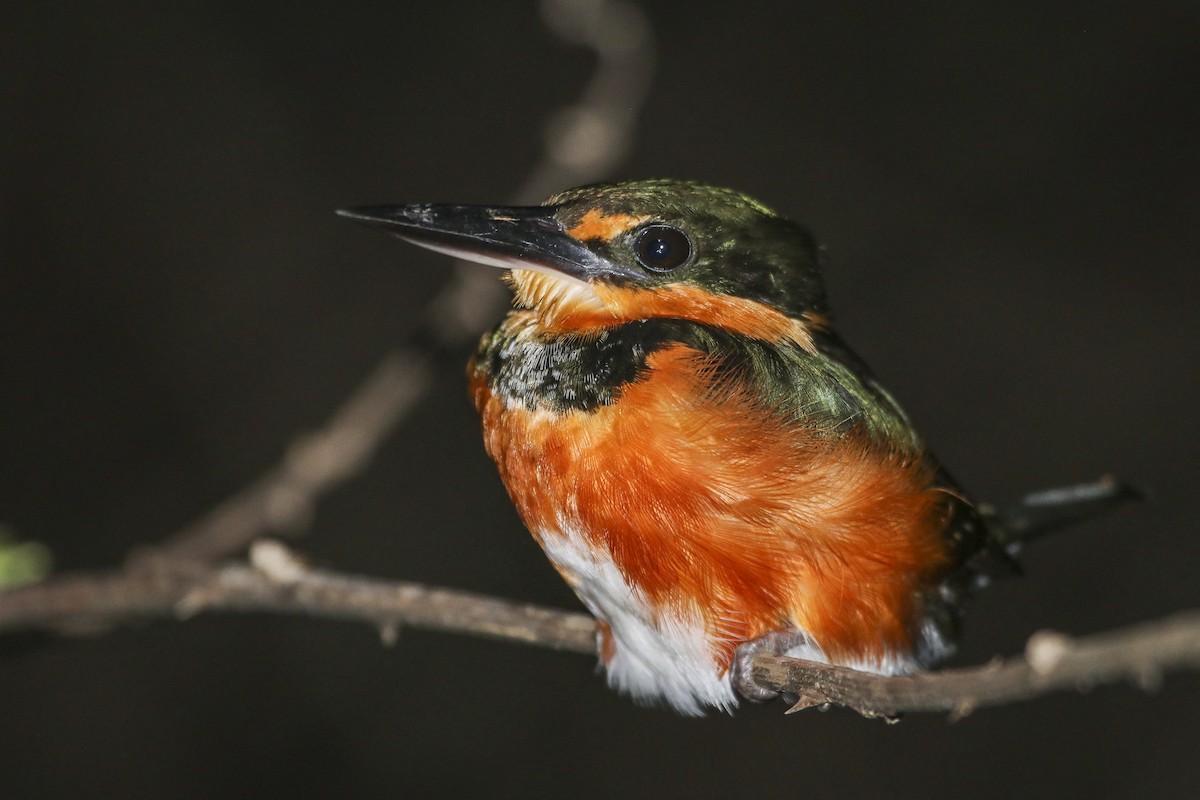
{"points": [[1052, 662], [276, 581]]}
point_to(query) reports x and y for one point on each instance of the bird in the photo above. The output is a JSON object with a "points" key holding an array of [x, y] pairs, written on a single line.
{"points": [[703, 459]]}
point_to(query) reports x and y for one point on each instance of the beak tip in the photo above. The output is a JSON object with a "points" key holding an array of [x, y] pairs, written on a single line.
{"points": [[492, 235], [356, 214], [388, 218]]}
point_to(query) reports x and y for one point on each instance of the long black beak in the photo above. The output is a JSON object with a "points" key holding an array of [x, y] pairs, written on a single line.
{"points": [[517, 237]]}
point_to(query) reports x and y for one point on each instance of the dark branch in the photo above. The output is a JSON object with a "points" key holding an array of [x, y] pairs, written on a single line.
{"points": [[1052, 662], [389, 605], [279, 583]]}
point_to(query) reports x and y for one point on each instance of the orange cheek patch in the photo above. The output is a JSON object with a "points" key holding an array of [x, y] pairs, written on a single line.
{"points": [[617, 305], [604, 227], [737, 314]]}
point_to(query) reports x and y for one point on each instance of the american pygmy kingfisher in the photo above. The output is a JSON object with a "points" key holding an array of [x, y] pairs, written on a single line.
{"points": [[701, 456]]}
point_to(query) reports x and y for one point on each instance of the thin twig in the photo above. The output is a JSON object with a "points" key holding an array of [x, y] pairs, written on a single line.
{"points": [[277, 582], [584, 141], [281, 502]]}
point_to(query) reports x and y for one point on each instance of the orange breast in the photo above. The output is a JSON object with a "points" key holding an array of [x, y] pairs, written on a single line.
{"points": [[726, 509]]}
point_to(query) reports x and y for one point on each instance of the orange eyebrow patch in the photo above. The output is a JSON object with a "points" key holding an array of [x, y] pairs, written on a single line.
{"points": [[817, 320], [604, 227]]}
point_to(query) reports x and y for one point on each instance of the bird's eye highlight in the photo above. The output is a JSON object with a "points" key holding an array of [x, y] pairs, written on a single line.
{"points": [[661, 248]]}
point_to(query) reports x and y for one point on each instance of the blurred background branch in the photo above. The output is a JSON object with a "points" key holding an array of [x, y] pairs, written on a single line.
{"points": [[583, 143]]}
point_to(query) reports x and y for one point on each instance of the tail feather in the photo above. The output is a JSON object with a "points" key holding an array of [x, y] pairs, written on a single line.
{"points": [[1042, 513], [985, 540]]}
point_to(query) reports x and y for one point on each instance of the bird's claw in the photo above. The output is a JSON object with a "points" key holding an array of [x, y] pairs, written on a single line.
{"points": [[776, 643]]}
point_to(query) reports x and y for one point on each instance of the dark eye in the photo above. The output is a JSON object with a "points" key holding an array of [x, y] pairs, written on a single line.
{"points": [[661, 248]]}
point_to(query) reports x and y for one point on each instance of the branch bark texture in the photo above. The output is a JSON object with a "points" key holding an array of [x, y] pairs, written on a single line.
{"points": [[1052, 662], [276, 581]]}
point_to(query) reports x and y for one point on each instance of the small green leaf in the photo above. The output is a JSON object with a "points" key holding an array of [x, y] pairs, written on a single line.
{"points": [[21, 562]]}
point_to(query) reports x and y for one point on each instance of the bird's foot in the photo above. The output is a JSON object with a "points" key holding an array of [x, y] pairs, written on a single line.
{"points": [[776, 643]]}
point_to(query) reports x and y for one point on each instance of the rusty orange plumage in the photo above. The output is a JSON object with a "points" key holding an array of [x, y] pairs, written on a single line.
{"points": [[834, 539]]}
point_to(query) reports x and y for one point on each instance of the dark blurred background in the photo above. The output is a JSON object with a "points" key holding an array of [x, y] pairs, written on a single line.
{"points": [[1010, 199]]}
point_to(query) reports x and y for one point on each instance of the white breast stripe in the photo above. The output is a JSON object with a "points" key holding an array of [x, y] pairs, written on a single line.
{"points": [[668, 659]]}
